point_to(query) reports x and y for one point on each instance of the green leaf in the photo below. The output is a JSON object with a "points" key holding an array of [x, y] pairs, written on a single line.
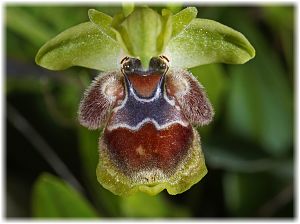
{"points": [[260, 105], [103, 22], [279, 16], [53, 197], [27, 26], [260, 101], [243, 160], [245, 194], [283, 17], [182, 19], [205, 41], [82, 45], [143, 205]]}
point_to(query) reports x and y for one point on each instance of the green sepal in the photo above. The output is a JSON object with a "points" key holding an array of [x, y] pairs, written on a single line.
{"points": [[205, 41], [82, 45], [52, 197], [190, 171]]}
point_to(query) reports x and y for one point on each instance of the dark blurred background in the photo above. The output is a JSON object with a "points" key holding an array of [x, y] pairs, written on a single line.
{"points": [[249, 147]]}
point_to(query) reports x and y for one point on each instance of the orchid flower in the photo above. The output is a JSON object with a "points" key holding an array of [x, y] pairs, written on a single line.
{"points": [[145, 100]]}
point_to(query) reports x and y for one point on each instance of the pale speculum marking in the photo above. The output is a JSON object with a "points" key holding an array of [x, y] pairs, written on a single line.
{"points": [[136, 111]]}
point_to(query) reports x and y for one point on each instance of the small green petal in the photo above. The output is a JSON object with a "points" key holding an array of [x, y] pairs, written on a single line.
{"points": [[190, 171], [166, 32], [82, 45], [182, 19], [128, 8], [121, 33], [174, 7], [205, 41], [103, 22]]}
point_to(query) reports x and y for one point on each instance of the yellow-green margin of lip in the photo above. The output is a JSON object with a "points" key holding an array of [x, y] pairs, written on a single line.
{"points": [[190, 171]]}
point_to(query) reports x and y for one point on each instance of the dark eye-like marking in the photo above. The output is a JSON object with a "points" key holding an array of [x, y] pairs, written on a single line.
{"points": [[159, 64], [130, 65]]}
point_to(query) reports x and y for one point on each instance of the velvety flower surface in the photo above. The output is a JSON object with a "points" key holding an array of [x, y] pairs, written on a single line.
{"points": [[145, 99]]}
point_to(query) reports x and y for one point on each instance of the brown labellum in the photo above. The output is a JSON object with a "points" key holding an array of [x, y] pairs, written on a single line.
{"points": [[148, 142]]}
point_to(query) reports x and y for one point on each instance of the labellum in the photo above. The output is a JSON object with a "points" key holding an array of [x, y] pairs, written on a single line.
{"points": [[148, 142]]}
